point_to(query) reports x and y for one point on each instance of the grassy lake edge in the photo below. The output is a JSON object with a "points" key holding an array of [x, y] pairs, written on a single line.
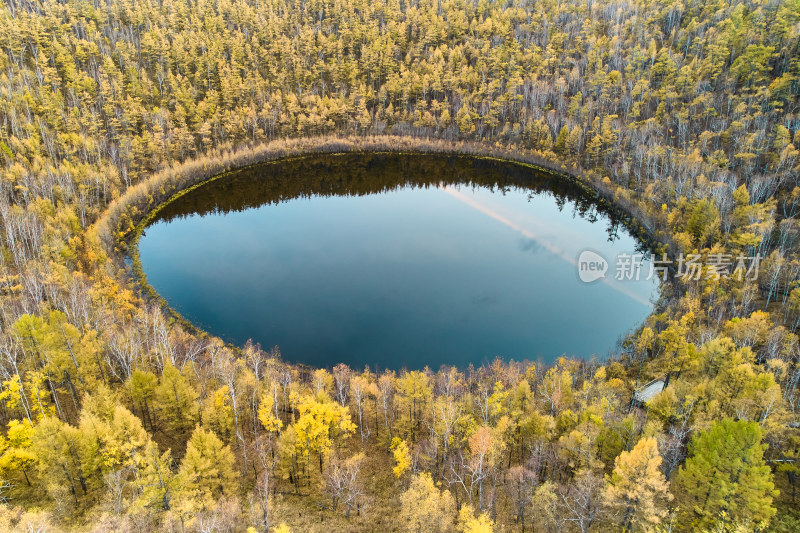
{"points": [[123, 223]]}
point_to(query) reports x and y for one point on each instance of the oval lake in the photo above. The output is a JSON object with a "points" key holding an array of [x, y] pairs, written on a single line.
{"points": [[396, 261]]}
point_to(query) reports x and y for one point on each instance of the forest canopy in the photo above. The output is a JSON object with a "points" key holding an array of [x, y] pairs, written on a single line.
{"points": [[114, 416]]}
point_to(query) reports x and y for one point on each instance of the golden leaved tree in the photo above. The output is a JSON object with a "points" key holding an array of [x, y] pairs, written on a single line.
{"points": [[636, 489]]}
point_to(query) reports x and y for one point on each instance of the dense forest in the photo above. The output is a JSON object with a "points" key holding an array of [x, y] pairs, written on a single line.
{"points": [[118, 417]]}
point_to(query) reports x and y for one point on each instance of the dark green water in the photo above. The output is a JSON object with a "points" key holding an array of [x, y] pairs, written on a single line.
{"points": [[395, 261]]}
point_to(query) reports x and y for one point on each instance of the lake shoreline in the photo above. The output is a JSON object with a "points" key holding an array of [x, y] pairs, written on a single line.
{"points": [[121, 225]]}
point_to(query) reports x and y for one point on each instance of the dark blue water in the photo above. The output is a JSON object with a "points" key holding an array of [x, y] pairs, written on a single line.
{"points": [[395, 261]]}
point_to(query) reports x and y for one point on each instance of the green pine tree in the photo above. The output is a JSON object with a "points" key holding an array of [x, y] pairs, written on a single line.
{"points": [[725, 479]]}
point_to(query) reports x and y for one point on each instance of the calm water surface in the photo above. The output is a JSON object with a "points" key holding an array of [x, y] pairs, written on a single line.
{"points": [[395, 261]]}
